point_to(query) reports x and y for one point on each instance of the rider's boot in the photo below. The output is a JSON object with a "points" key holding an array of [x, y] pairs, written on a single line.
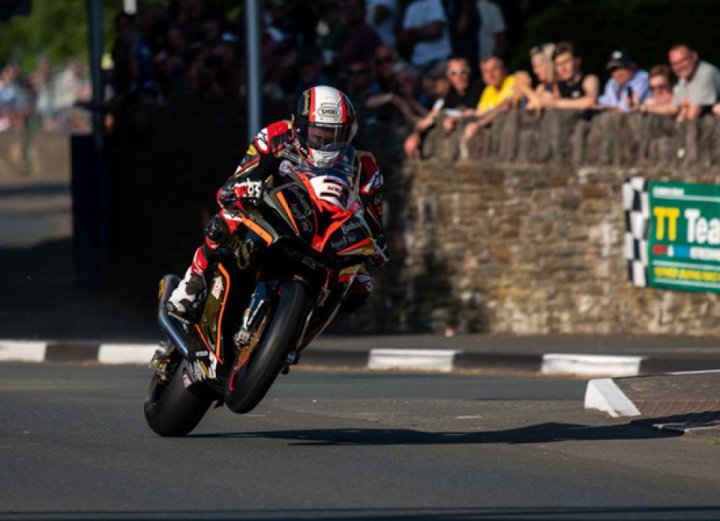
{"points": [[185, 302]]}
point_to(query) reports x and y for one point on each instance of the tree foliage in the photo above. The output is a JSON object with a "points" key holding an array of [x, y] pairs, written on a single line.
{"points": [[647, 28], [57, 29]]}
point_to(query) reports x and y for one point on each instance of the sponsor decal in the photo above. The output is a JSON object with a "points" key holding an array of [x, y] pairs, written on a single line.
{"points": [[340, 244], [217, 287], [306, 103], [683, 247], [261, 141], [252, 151], [300, 196], [351, 226], [329, 110]]}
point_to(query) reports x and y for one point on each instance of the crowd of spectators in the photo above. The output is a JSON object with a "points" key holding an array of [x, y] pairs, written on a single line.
{"points": [[47, 98], [409, 63], [402, 62], [388, 55]]}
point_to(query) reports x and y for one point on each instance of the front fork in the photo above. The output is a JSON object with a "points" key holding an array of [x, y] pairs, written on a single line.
{"points": [[255, 318]]}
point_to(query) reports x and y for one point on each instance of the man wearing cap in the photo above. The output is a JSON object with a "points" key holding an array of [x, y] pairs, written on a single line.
{"points": [[627, 87]]}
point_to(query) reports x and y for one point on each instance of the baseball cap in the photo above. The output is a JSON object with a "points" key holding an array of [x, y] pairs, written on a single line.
{"points": [[619, 58]]}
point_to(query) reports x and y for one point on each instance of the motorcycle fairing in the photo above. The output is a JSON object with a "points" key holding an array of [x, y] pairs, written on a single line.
{"points": [[344, 232], [210, 327], [292, 204]]}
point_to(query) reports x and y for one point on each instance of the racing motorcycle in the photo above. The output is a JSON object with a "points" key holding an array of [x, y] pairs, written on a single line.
{"points": [[277, 285]]}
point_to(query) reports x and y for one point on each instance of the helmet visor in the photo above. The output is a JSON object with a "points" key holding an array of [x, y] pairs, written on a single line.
{"points": [[323, 135]]}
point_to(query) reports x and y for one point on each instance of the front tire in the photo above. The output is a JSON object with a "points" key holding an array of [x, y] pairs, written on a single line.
{"points": [[247, 385], [171, 409]]}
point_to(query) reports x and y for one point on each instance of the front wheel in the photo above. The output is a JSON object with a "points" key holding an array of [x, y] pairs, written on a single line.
{"points": [[250, 380], [171, 409]]}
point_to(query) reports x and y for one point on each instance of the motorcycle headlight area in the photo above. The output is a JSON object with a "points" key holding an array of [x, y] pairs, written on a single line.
{"points": [[333, 190]]}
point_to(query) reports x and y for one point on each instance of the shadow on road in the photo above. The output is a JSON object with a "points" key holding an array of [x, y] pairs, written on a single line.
{"points": [[542, 433]]}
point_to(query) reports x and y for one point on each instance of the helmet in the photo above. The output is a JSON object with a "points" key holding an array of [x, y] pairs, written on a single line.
{"points": [[325, 125]]}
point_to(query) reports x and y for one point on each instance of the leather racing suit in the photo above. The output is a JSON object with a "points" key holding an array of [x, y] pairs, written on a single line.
{"points": [[271, 151]]}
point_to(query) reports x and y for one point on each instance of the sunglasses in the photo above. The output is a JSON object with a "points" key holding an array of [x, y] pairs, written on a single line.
{"points": [[659, 86], [457, 72]]}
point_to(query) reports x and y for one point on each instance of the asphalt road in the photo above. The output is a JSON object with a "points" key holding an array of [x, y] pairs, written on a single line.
{"points": [[328, 445]]}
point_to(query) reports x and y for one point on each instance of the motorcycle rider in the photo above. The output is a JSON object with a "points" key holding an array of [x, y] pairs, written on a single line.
{"points": [[316, 139]]}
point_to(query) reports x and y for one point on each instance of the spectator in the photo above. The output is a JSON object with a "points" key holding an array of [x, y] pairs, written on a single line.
{"points": [[71, 86], [541, 63], [464, 26], [698, 85], [661, 86], [460, 99], [309, 70], [361, 85], [362, 40], [331, 31], [381, 16], [14, 107], [402, 99], [434, 85], [500, 86], [134, 63], [173, 60], [576, 90], [425, 31], [497, 95], [405, 99], [385, 61], [492, 38], [627, 87], [42, 81]]}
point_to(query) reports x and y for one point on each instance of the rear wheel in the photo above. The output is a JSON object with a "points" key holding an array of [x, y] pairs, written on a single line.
{"points": [[171, 409], [251, 379]]}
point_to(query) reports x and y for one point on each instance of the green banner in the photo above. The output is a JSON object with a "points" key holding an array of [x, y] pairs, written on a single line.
{"points": [[684, 236]]}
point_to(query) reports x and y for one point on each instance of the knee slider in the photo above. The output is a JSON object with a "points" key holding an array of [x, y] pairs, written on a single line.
{"points": [[217, 230]]}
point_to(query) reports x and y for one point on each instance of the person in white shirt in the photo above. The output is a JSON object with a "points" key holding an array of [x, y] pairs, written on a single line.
{"points": [[425, 28], [381, 15]]}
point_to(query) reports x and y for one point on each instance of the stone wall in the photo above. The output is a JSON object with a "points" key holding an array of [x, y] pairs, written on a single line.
{"points": [[521, 231], [36, 155]]}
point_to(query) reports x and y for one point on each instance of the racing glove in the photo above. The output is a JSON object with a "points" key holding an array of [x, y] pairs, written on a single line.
{"points": [[240, 193]]}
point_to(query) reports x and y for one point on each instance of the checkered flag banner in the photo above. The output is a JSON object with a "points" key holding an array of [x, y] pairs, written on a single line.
{"points": [[637, 220]]}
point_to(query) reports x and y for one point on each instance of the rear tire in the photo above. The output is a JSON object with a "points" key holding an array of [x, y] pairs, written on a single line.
{"points": [[171, 409], [245, 389]]}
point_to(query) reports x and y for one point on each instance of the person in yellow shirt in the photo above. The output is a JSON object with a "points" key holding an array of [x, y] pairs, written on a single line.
{"points": [[500, 85], [496, 96]]}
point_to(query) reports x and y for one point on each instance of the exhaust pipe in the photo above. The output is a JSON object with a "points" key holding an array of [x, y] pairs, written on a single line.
{"points": [[170, 326]]}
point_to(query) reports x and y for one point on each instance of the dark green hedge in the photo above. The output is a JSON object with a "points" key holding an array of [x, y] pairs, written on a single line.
{"points": [[647, 28]]}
